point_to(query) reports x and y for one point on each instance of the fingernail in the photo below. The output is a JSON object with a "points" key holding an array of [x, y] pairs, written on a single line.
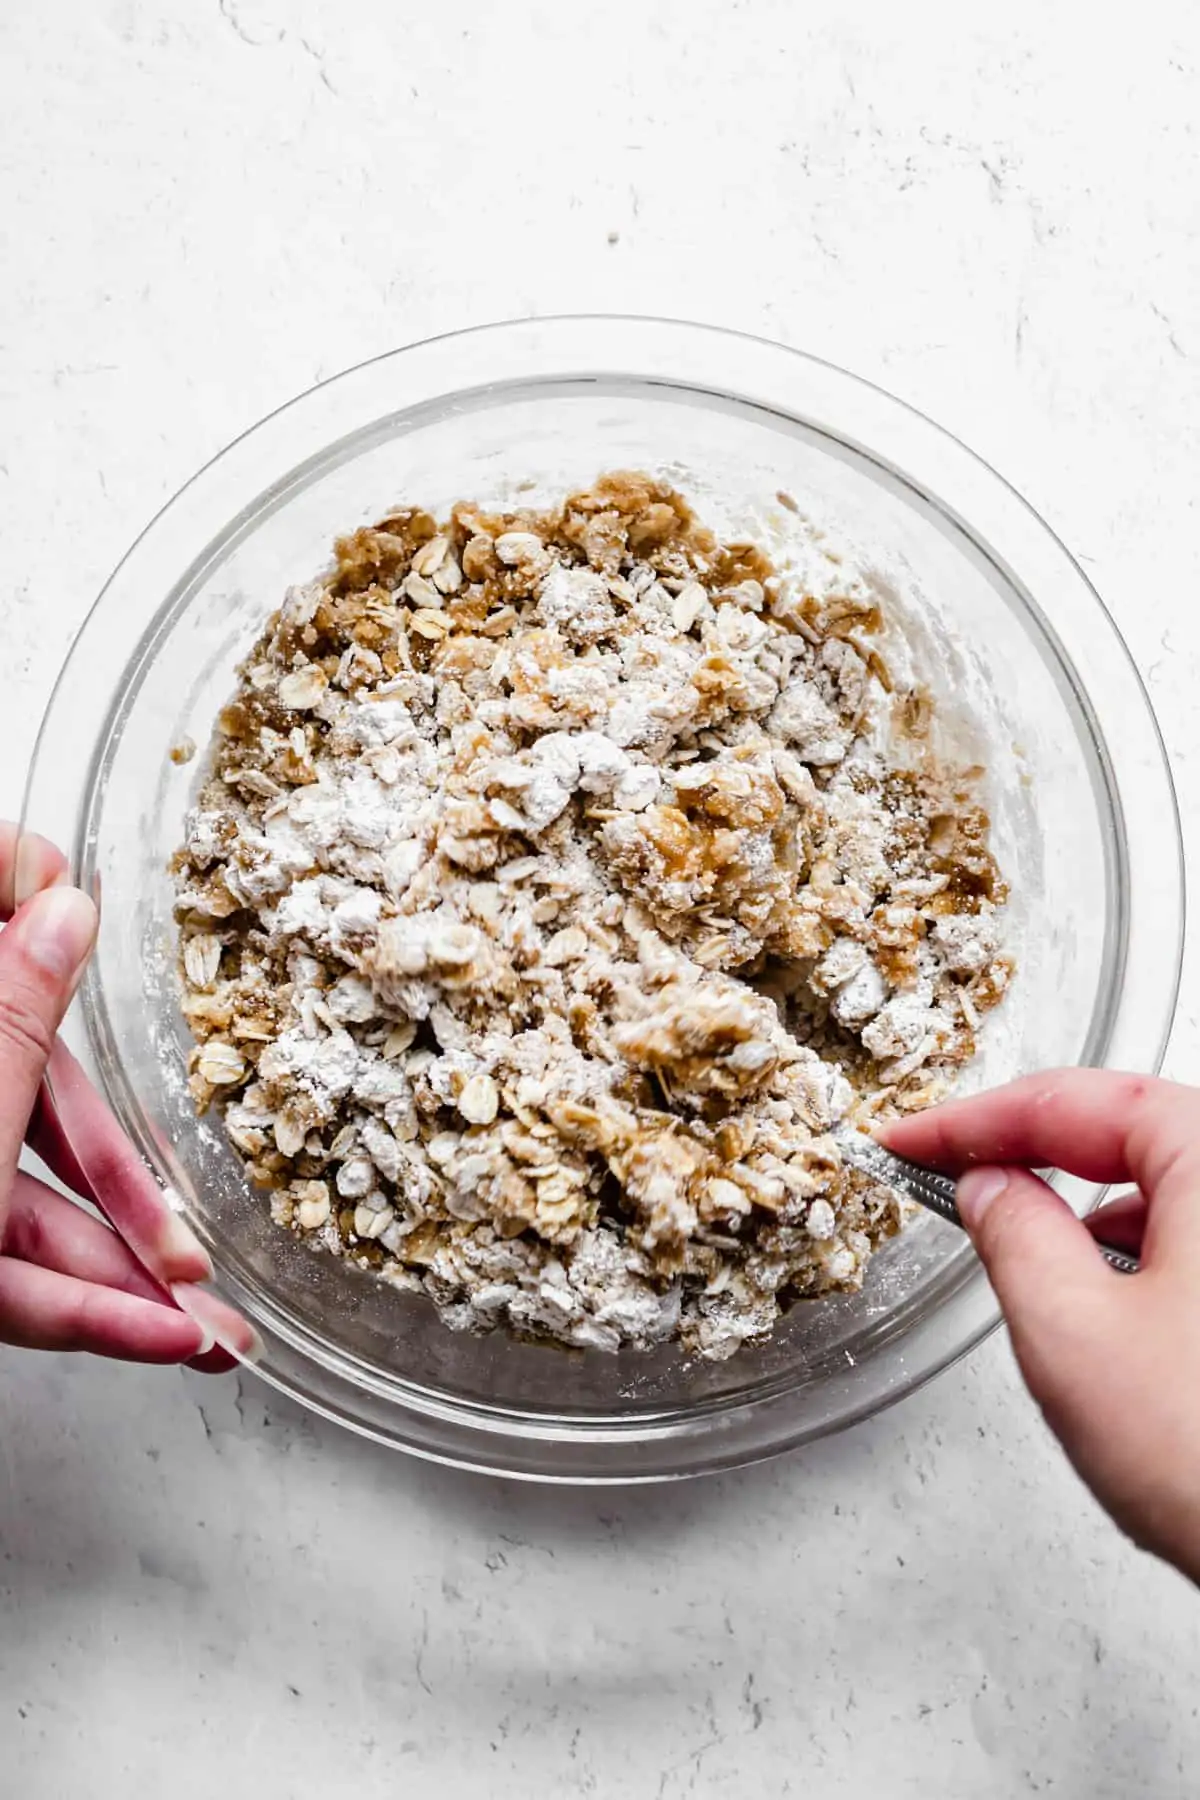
{"points": [[59, 928], [229, 1329], [976, 1192], [178, 1244]]}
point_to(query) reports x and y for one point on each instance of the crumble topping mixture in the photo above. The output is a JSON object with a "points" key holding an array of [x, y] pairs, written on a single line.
{"points": [[557, 882]]}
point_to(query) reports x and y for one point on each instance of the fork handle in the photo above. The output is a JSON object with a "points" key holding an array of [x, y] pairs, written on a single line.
{"points": [[936, 1193]]}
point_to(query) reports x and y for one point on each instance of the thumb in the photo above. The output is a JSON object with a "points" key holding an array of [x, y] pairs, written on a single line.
{"points": [[42, 955], [1051, 1281]]}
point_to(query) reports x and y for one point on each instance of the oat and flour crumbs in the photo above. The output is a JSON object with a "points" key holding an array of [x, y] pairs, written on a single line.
{"points": [[557, 881]]}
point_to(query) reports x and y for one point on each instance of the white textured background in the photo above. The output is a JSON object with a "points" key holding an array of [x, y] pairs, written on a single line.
{"points": [[206, 205]]}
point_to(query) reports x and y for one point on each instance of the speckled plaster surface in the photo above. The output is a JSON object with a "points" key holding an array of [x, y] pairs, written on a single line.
{"points": [[209, 204]]}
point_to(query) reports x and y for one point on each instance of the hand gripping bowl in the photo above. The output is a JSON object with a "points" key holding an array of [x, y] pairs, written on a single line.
{"points": [[1085, 820]]}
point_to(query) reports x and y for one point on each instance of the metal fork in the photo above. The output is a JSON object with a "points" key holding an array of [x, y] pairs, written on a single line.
{"points": [[933, 1191]]}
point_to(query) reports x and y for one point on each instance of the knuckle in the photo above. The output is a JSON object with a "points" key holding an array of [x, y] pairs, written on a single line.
{"points": [[22, 1026], [1163, 1139], [1137, 1106], [26, 1238]]}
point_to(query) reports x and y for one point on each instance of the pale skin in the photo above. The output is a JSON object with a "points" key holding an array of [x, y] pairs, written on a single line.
{"points": [[1113, 1360], [68, 1280]]}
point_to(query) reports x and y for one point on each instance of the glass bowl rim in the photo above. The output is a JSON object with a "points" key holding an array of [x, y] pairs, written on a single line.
{"points": [[456, 1416]]}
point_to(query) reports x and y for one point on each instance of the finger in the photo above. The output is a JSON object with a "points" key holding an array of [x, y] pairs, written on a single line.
{"points": [[1094, 1123], [28, 863], [79, 1138], [1120, 1223], [43, 1310], [44, 1228], [1073, 1119], [219, 1320], [109, 1170], [1043, 1264], [42, 953]]}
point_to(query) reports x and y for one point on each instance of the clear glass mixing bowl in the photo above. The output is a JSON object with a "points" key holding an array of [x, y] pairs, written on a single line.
{"points": [[1081, 795]]}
